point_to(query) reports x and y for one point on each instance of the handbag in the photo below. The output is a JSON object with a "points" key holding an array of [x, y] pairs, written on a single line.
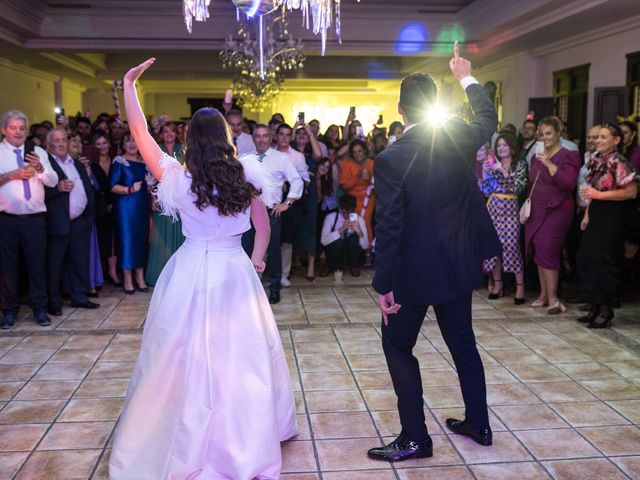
{"points": [[525, 209]]}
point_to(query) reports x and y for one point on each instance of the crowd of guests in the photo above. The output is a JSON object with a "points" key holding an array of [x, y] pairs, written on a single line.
{"points": [[563, 210], [82, 210]]}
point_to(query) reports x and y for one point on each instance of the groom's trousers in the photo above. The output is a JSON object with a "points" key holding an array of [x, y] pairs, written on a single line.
{"points": [[398, 340]]}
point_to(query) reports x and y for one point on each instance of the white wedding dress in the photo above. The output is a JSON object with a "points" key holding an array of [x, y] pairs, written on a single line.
{"points": [[210, 396]]}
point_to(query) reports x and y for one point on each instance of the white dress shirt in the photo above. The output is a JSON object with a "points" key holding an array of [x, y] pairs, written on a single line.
{"points": [[279, 169], [77, 196], [299, 162], [12, 193], [330, 234], [244, 144]]}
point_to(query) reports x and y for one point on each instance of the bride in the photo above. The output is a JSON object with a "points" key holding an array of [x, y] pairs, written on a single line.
{"points": [[210, 396]]}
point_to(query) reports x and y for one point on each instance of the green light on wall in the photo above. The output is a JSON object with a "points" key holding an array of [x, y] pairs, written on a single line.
{"points": [[446, 37]]}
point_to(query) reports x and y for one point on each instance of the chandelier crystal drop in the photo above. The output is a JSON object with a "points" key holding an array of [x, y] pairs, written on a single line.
{"points": [[198, 9]]}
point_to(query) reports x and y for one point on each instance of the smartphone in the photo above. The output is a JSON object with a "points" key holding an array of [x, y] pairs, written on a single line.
{"points": [[91, 152], [228, 96], [29, 147], [359, 131], [59, 111], [353, 217], [301, 117], [380, 120], [352, 111], [539, 148]]}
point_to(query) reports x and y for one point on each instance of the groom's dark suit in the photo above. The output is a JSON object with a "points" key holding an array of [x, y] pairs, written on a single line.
{"points": [[432, 233]]}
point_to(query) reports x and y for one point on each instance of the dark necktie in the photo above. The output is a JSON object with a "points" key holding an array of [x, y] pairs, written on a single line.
{"points": [[235, 141], [25, 183], [261, 157]]}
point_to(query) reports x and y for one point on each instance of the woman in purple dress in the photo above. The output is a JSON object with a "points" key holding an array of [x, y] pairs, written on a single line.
{"points": [[555, 175]]}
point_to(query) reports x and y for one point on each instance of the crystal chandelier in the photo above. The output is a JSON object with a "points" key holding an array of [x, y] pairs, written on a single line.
{"points": [[262, 56], [321, 12]]}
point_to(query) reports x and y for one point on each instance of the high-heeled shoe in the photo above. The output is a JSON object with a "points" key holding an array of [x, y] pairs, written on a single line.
{"points": [[556, 308], [144, 289], [540, 302], [499, 293], [600, 321], [113, 282], [519, 300], [588, 318]]}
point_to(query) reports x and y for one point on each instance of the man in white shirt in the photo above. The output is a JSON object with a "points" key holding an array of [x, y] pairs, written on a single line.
{"points": [[242, 141], [344, 237], [24, 173], [70, 218], [279, 170], [283, 144]]}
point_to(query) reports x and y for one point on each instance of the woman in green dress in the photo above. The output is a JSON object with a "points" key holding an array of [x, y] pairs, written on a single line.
{"points": [[166, 235]]}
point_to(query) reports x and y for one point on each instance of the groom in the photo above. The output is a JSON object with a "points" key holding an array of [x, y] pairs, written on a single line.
{"points": [[432, 233]]}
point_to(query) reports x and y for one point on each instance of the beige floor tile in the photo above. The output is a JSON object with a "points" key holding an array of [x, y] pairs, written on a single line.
{"points": [[11, 462], [624, 440], [103, 388], [510, 394], [628, 408], [126, 340], [88, 341], [556, 444], [368, 362], [92, 410], [360, 475], [527, 417], [77, 435], [498, 374], [629, 465], [505, 448], [342, 425], [441, 415], [9, 389], [327, 381], [16, 373], [435, 473], [312, 334], [628, 369], [373, 379], [300, 476], [72, 355], [587, 371], [298, 456], [561, 392], [349, 454], [36, 411], [327, 318], [356, 333], [69, 464], [102, 470], [120, 354], [111, 370], [510, 471], [20, 438], [563, 355], [499, 342], [318, 348], [360, 347], [43, 342], [47, 390], [441, 397], [609, 353], [25, 355], [439, 377], [589, 414], [544, 341], [614, 389], [322, 363], [299, 399], [429, 359], [63, 371], [334, 401], [388, 423], [521, 327], [380, 399], [581, 469], [538, 373], [81, 324], [517, 356]]}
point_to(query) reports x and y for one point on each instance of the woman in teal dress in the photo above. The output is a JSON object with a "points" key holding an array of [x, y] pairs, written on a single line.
{"points": [[166, 235], [130, 213]]}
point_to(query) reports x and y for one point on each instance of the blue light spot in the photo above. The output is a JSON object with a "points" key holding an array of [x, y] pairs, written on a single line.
{"points": [[412, 38]]}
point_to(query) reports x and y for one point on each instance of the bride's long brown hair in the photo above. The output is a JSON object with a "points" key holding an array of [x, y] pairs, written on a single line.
{"points": [[218, 178]]}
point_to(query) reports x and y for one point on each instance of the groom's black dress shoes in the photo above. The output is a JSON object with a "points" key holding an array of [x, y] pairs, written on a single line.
{"points": [[483, 437], [402, 449]]}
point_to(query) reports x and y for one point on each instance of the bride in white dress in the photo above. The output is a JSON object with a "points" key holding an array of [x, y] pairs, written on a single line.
{"points": [[210, 396]]}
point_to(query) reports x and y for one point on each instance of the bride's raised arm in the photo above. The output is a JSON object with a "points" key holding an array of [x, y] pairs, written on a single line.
{"points": [[147, 146]]}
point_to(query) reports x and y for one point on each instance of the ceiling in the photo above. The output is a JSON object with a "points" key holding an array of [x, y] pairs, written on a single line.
{"points": [[94, 41]]}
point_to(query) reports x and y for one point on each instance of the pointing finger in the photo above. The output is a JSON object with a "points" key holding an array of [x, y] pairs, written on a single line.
{"points": [[456, 51]]}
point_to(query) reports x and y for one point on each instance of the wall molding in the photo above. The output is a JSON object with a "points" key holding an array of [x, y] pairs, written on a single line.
{"points": [[8, 64]]}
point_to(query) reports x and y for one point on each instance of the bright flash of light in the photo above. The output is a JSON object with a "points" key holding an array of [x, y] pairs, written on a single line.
{"points": [[437, 115]]}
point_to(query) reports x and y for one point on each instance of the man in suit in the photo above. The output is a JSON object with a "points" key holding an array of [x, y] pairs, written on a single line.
{"points": [[432, 233], [24, 173], [70, 219]]}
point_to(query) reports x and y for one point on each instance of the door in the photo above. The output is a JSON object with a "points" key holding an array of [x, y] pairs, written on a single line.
{"points": [[609, 102]]}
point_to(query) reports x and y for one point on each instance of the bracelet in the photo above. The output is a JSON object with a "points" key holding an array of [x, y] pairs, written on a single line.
{"points": [[129, 190]]}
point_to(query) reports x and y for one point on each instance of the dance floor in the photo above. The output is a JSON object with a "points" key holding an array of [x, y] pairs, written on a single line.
{"points": [[564, 400]]}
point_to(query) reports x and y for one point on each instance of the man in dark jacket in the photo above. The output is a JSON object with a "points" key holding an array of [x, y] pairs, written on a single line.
{"points": [[70, 217], [432, 233]]}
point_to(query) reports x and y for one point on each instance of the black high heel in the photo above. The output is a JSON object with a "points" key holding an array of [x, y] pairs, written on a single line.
{"points": [[518, 300], [141, 289], [602, 319], [495, 296], [589, 317]]}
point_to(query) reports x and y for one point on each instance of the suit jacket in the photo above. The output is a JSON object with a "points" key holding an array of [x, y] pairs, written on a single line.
{"points": [[433, 229], [58, 221]]}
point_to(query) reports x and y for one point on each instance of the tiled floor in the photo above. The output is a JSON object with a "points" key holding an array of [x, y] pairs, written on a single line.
{"points": [[565, 400]]}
